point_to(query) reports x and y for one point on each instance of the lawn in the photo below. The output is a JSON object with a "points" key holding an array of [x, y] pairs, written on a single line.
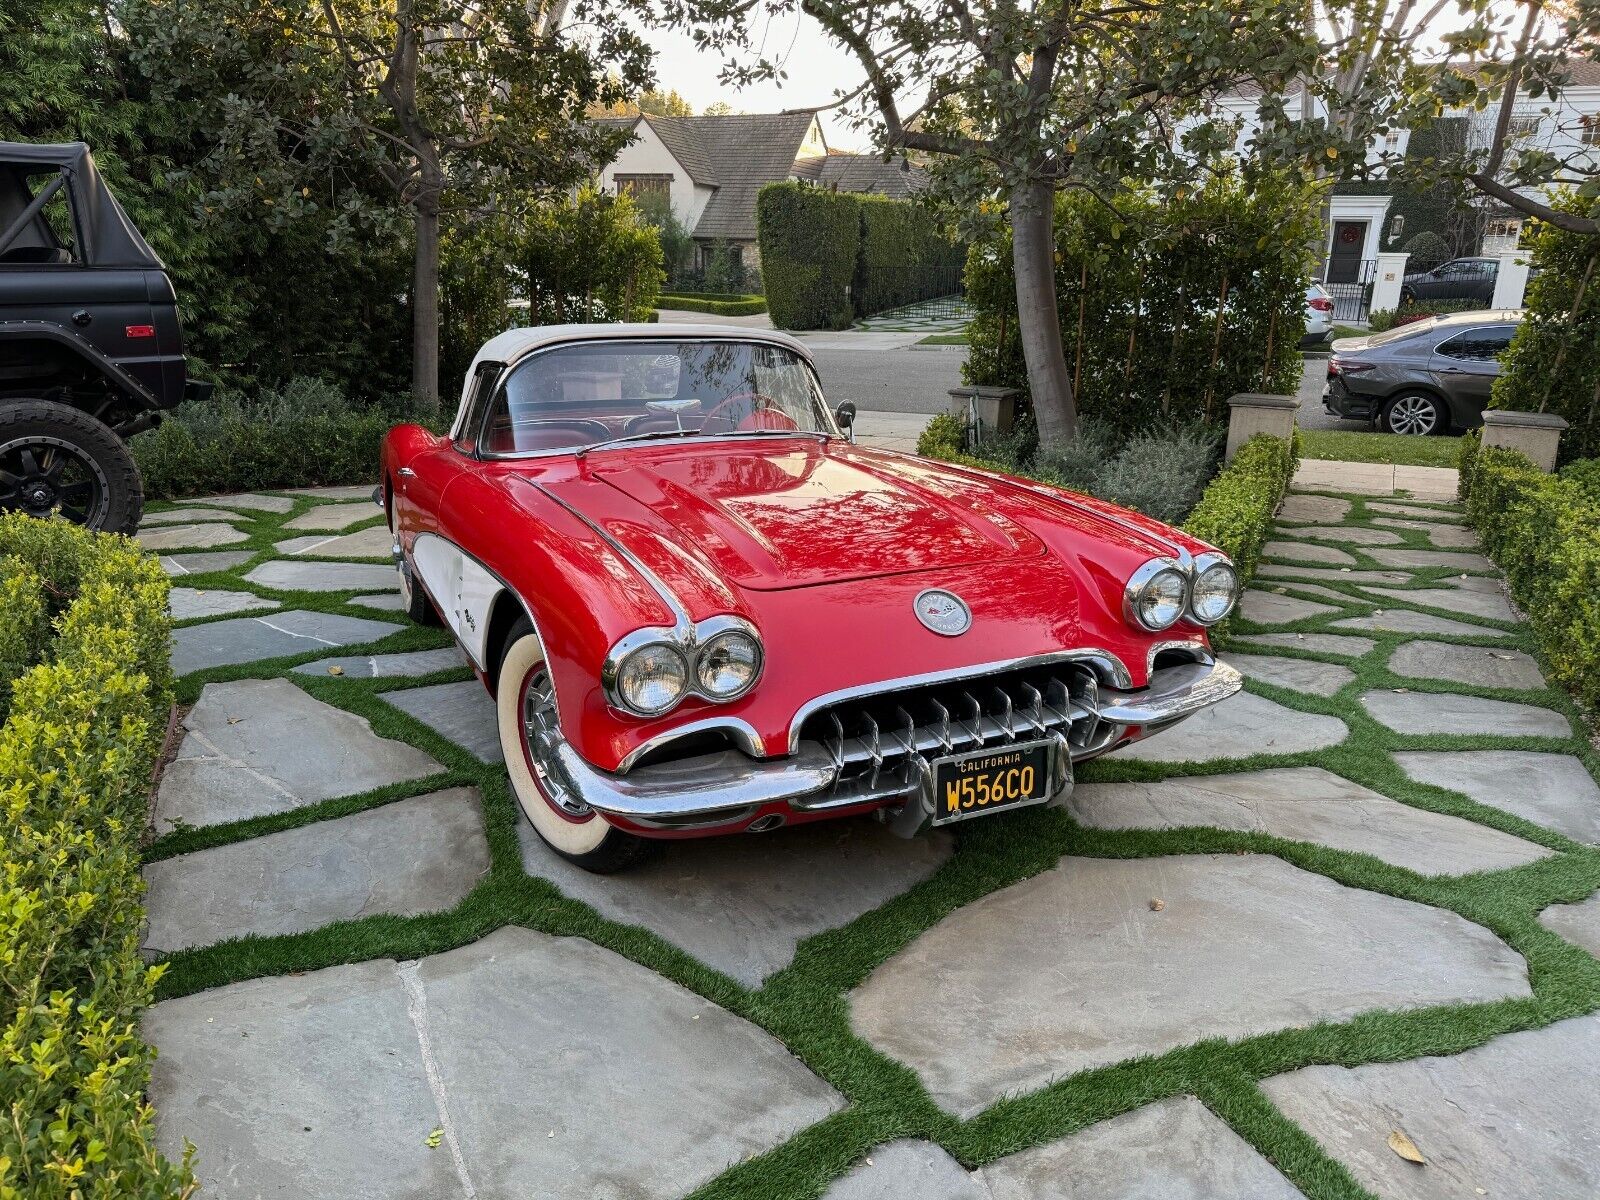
{"points": [[944, 339], [1344, 446]]}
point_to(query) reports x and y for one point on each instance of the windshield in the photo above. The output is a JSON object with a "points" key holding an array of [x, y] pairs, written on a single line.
{"points": [[585, 394]]}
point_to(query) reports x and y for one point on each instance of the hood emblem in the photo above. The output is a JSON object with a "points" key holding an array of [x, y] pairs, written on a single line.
{"points": [[943, 612]]}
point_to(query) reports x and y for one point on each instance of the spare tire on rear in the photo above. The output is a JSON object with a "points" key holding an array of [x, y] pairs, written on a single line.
{"points": [[58, 460]]}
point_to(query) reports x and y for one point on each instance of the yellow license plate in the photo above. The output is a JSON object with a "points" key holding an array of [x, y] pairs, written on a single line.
{"points": [[970, 785]]}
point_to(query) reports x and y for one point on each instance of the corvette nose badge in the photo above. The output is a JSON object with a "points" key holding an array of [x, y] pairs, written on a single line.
{"points": [[943, 612]]}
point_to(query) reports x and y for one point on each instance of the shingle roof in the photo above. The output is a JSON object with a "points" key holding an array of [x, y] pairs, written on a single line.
{"points": [[747, 151], [865, 173], [679, 135]]}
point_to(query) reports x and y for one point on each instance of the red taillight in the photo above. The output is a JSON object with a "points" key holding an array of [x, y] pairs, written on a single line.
{"points": [[1347, 366], [140, 331], [1322, 304]]}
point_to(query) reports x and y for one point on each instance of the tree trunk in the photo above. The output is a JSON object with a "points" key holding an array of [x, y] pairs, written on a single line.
{"points": [[1038, 320], [425, 307]]}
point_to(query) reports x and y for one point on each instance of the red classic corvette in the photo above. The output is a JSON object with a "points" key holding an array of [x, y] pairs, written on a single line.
{"points": [[701, 609]]}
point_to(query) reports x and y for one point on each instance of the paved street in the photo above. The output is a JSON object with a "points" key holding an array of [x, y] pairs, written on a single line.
{"points": [[342, 812]]}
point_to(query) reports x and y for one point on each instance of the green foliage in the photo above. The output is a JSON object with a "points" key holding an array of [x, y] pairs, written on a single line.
{"points": [[725, 270], [1544, 532], [1584, 474], [809, 241], [76, 751], [906, 255], [1167, 308], [1553, 364], [677, 247], [1161, 472], [306, 435], [733, 306], [1383, 319], [1427, 250]]}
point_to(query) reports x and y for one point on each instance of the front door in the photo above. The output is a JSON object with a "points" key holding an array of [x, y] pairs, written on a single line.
{"points": [[1344, 259]]}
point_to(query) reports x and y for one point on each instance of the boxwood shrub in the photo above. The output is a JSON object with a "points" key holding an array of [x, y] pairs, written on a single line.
{"points": [[722, 304], [85, 635], [1544, 532], [809, 239]]}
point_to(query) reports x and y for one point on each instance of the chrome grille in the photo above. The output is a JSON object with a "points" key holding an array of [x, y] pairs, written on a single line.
{"points": [[880, 744]]}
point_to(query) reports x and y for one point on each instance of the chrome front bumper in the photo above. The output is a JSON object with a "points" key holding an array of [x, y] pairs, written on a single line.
{"points": [[729, 786]]}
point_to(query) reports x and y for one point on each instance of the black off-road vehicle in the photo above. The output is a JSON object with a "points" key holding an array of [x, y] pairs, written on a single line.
{"points": [[90, 347]]}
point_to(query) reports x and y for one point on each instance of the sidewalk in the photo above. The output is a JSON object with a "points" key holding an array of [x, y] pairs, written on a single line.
{"points": [[890, 430], [1376, 479]]}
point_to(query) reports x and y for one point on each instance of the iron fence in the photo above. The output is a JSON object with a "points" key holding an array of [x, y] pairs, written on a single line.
{"points": [[938, 292], [1352, 299]]}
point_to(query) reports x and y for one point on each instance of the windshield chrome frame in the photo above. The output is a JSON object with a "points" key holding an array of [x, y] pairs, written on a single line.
{"points": [[603, 446]]}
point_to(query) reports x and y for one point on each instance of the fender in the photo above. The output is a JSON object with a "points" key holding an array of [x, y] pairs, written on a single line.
{"points": [[80, 348]]}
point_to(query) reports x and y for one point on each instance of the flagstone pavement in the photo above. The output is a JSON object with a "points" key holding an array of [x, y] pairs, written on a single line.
{"points": [[337, 784]]}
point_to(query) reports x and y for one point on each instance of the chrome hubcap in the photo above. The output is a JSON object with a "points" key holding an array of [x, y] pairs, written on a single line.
{"points": [[541, 730], [1412, 414]]}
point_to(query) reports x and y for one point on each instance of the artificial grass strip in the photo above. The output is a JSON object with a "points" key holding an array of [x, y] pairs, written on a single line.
{"points": [[805, 1004]]}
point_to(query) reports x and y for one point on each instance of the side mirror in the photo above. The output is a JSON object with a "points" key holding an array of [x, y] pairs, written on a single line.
{"points": [[845, 414]]}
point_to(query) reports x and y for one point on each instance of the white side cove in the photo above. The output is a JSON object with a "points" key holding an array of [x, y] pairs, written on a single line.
{"points": [[462, 586]]}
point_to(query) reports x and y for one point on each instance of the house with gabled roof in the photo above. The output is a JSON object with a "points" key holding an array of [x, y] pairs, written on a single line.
{"points": [[711, 169]]}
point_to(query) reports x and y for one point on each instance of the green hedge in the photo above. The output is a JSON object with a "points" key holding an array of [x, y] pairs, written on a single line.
{"points": [[1544, 532], [904, 256], [733, 306], [809, 240], [84, 727]]}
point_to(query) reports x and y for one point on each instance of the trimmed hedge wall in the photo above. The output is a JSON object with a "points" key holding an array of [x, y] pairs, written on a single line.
{"points": [[1544, 532], [809, 240], [721, 304], [904, 256], [85, 632]]}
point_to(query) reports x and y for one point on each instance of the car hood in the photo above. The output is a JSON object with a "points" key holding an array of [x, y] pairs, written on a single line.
{"points": [[793, 513]]}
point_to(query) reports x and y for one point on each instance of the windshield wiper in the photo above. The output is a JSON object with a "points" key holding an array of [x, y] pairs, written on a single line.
{"points": [[646, 436]]}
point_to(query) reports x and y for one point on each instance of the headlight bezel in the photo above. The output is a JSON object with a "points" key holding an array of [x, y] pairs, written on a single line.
{"points": [[1139, 583], [689, 643], [1202, 564]]}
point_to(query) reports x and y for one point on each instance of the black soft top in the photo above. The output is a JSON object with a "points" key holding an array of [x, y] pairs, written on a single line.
{"points": [[107, 237]]}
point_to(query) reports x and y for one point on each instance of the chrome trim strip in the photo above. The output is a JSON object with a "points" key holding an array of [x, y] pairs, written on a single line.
{"points": [[742, 732], [1107, 665], [1198, 652], [707, 784], [1175, 692]]}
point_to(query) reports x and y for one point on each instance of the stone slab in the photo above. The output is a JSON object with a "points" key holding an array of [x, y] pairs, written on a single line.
{"points": [[1331, 575], [1468, 602], [1300, 674], [351, 491], [323, 576], [385, 603], [908, 1170], [1306, 804], [1407, 557], [387, 666], [1268, 608], [299, 1085], [1242, 725], [196, 564], [1307, 552], [1317, 643], [335, 516], [1355, 535], [1407, 620], [414, 856], [569, 1070], [188, 604], [1442, 516], [462, 713], [1170, 1150], [1445, 537], [742, 904], [1446, 712], [1578, 923], [1315, 510], [1513, 1117], [1479, 666], [250, 500], [364, 543], [185, 516], [1243, 945], [258, 746], [187, 537], [1553, 790], [250, 639]]}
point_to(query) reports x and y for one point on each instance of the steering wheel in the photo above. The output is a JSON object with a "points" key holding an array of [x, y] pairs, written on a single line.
{"points": [[763, 413]]}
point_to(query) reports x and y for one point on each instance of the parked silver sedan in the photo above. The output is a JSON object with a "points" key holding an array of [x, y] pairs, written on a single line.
{"points": [[1430, 376]]}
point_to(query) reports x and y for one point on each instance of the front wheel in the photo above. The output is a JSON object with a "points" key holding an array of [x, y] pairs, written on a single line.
{"points": [[58, 460], [530, 735], [1413, 413]]}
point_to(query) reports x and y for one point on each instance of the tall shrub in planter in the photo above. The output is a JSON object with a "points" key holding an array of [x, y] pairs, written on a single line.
{"points": [[1167, 309], [809, 240], [1553, 365]]}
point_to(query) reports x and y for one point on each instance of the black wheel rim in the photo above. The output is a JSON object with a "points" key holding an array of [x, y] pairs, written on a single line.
{"points": [[44, 476]]}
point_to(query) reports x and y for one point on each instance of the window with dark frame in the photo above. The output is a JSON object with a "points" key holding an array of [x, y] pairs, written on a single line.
{"points": [[1591, 129], [644, 185]]}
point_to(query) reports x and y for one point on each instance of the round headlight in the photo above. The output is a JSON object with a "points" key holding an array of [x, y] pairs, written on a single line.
{"points": [[1216, 588], [728, 665], [1157, 595], [652, 679]]}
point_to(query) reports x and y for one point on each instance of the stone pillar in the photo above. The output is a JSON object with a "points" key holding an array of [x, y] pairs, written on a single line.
{"points": [[1510, 281], [992, 409], [1250, 413], [1538, 435], [1386, 281]]}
